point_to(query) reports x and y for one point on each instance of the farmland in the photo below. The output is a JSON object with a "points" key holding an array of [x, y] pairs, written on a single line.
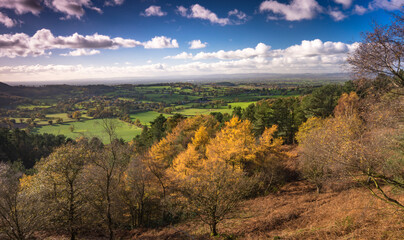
{"points": [[75, 111]]}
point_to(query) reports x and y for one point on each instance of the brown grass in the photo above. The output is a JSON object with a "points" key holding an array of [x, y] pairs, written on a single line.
{"points": [[297, 212]]}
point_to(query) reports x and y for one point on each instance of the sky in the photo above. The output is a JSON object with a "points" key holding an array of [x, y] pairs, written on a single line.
{"points": [[59, 40]]}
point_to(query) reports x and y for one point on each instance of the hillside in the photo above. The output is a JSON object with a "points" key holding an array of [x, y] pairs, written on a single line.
{"points": [[297, 212]]}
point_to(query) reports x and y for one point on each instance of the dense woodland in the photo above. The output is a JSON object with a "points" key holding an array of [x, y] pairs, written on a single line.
{"points": [[185, 168]]}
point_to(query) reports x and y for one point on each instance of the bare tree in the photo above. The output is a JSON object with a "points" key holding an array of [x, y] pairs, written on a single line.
{"points": [[105, 170], [381, 52], [18, 217]]}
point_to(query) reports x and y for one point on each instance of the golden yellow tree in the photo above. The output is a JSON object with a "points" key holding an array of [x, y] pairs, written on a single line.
{"points": [[234, 144]]}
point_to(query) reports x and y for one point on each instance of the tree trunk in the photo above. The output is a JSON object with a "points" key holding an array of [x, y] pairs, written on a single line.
{"points": [[109, 217], [71, 214], [213, 230]]}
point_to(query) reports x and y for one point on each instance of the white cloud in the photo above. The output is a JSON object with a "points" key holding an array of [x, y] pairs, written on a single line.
{"points": [[114, 2], [319, 48], [360, 10], [153, 11], [200, 12], [81, 52], [239, 14], [22, 45], [183, 55], [22, 6], [6, 21], [261, 50], [337, 15], [19, 7], [197, 44], [161, 42], [313, 56], [389, 5], [345, 3], [72, 8], [295, 11], [182, 11]]}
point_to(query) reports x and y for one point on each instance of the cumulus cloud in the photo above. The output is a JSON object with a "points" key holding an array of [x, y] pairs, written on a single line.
{"points": [[6, 21], [71, 8], [345, 3], [308, 56], [19, 7], [313, 56], [260, 50], [183, 55], [161, 42], [153, 11], [337, 15], [295, 11], [197, 44], [22, 6], [81, 52], [199, 12], [319, 48], [22, 45]]}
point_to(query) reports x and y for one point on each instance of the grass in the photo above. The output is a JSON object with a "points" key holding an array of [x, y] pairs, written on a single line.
{"points": [[198, 111], [32, 107], [240, 104], [297, 212], [90, 128], [146, 117]]}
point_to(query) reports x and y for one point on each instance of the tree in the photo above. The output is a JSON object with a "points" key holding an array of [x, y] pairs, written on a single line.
{"points": [[59, 121], [214, 191], [64, 188], [322, 101], [19, 218], [136, 190], [104, 173], [381, 52], [76, 115], [234, 143]]}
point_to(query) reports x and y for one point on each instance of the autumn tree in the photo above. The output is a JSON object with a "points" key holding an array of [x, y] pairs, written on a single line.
{"points": [[327, 144], [234, 144], [61, 175], [104, 172], [214, 191], [358, 146], [19, 217], [269, 158], [76, 115], [137, 190]]}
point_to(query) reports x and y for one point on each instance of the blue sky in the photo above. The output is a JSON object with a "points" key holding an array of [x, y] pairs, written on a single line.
{"points": [[44, 40]]}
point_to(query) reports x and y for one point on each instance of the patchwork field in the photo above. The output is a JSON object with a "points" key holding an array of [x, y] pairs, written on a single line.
{"points": [[146, 117], [90, 128]]}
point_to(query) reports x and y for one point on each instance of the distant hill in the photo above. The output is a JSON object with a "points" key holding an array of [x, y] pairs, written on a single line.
{"points": [[4, 87]]}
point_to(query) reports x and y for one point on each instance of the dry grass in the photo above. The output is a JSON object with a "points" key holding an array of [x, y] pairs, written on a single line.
{"points": [[297, 212]]}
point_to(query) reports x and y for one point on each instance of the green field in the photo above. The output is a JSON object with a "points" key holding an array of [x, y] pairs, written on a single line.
{"points": [[91, 128], [202, 111], [31, 107], [240, 104], [146, 117]]}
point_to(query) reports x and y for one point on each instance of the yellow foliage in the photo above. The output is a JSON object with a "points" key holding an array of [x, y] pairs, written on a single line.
{"points": [[234, 144], [306, 127]]}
